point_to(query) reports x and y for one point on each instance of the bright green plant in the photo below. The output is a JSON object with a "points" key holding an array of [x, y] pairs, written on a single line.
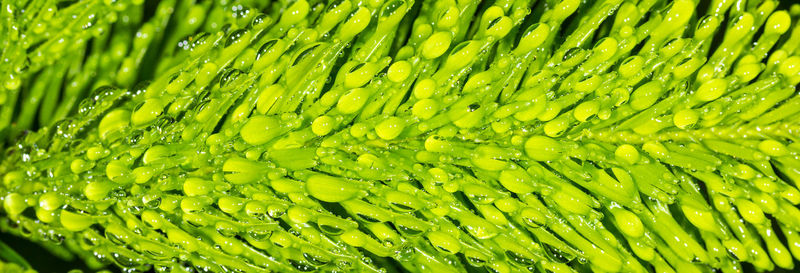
{"points": [[402, 135]]}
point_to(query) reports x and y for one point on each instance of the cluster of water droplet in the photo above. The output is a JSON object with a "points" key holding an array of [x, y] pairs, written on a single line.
{"points": [[53, 53], [431, 136]]}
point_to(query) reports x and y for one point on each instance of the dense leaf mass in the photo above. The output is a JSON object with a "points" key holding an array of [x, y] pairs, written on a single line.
{"points": [[402, 135]]}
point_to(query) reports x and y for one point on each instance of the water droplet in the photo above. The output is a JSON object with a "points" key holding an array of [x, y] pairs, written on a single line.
{"points": [[56, 238], [571, 53], [88, 240], [26, 228], [315, 259], [368, 218], [155, 252], [234, 37], [259, 233], [126, 260], [163, 123], [226, 229], [390, 8], [115, 238], [91, 22], [401, 207], [305, 53], [366, 260], [265, 48], [405, 254], [228, 77], [519, 258], [199, 39], [331, 229], [257, 20], [344, 264], [301, 265], [557, 255], [85, 107], [476, 261]]}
